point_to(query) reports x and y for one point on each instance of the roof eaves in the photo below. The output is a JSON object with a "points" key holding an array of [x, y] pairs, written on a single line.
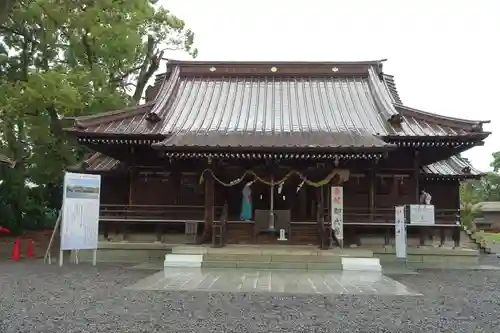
{"points": [[110, 116], [94, 162], [296, 63], [475, 125], [454, 166]]}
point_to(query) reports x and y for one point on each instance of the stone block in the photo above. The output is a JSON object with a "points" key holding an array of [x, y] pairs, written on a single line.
{"points": [[288, 265], [237, 257], [218, 264], [256, 265], [324, 266]]}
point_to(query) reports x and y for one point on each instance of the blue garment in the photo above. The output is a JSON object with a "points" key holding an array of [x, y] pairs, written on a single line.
{"points": [[246, 209]]}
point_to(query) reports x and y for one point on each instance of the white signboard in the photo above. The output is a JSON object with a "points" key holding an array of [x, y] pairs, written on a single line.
{"points": [[400, 236], [422, 214], [80, 216], [337, 211]]}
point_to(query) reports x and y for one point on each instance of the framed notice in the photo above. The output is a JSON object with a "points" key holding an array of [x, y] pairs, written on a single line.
{"points": [[400, 236], [421, 214], [337, 212], [80, 212]]}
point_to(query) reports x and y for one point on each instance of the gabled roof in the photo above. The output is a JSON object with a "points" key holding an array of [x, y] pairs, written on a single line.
{"points": [[243, 104]]}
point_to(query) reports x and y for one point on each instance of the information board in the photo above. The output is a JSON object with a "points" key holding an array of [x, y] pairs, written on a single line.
{"points": [[337, 211], [421, 214], [400, 235], [80, 213]]}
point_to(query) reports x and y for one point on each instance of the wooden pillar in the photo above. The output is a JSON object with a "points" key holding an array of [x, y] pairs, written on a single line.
{"points": [[209, 207], [416, 175], [394, 202], [131, 191], [373, 183], [303, 203], [423, 232]]}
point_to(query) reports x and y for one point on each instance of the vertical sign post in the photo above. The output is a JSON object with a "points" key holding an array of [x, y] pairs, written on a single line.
{"points": [[80, 214], [337, 211], [400, 235]]}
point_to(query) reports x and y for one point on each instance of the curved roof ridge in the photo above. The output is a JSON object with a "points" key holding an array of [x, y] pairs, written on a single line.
{"points": [[390, 84], [382, 96], [156, 113]]}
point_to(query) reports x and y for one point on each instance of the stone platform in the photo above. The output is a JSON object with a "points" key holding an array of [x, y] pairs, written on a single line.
{"points": [[139, 252]]}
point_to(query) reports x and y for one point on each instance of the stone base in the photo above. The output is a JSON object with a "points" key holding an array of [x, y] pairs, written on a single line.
{"points": [[127, 252], [361, 264], [278, 257], [430, 255], [183, 260]]}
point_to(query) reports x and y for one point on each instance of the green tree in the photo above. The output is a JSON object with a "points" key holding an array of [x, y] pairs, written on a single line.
{"points": [[5, 7], [469, 197], [62, 58]]}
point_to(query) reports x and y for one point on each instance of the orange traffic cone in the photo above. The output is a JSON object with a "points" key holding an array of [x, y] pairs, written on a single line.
{"points": [[15, 250], [31, 247]]}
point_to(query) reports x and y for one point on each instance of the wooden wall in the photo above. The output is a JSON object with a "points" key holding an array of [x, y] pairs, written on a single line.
{"points": [[445, 193], [153, 187], [114, 189]]}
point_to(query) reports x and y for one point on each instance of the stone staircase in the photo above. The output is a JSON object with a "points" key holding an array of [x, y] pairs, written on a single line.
{"points": [[474, 241], [272, 257]]}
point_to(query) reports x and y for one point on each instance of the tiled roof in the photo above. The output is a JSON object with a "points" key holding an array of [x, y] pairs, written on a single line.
{"points": [[97, 162], [452, 167], [292, 104]]}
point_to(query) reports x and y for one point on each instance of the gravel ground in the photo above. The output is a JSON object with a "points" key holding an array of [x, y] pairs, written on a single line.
{"points": [[39, 298]]}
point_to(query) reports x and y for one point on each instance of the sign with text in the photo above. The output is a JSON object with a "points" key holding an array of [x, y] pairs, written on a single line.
{"points": [[337, 211], [421, 214], [400, 235], [80, 217]]}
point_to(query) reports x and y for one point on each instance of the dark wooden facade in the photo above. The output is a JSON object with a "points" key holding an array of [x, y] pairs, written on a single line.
{"points": [[272, 118]]}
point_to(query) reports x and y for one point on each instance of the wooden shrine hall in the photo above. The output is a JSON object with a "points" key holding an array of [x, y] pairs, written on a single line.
{"points": [[234, 152]]}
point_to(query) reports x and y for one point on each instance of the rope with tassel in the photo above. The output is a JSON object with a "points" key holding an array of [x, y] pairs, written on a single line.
{"points": [[343, 174]]}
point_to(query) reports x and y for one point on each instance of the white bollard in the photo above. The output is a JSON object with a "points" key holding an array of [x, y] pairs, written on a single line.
{"points": [[282, 235]]}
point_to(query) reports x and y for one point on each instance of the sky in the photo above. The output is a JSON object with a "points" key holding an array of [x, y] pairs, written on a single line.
{"points": [[445, 54]]}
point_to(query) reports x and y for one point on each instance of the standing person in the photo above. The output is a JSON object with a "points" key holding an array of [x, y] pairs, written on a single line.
{"points": [[425, 198], [246, 202]]}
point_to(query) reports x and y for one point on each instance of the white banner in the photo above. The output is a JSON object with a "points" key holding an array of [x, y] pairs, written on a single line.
{"points": [[400, 235], [337, 211], [80, 218]]}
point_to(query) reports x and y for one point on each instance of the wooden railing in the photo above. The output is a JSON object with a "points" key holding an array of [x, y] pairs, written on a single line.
{"points": [[154, 213], [386, 216], [219, 228]]}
